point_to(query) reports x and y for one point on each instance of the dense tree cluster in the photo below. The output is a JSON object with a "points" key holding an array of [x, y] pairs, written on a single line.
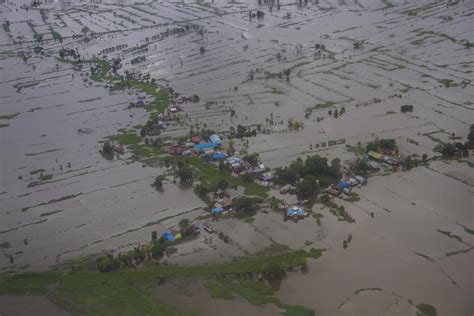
{"points": [[151, 250], [315, 169], [246, 206], [242, 131], [384, 144], [185, 174]]}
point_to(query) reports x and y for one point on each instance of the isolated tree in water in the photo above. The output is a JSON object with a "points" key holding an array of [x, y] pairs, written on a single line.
{"points": [[185, 175], [85, 30]]}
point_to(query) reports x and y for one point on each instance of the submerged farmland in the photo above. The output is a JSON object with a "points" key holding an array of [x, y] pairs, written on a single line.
{"points": [[109, 114]]}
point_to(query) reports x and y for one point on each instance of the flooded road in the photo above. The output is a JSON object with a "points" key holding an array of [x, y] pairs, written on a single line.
{"points": [[59, 199]]}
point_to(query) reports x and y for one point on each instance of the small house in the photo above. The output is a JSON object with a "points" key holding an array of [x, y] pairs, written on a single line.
{"points": [[373, 165], [343, 185], [361, 179], [267, 176], [218, 155], [204, 146], [295, 212], [390, 160], [285, 189], [352, 182], [215, 139], [217, 210], [168, 236], [333, 191], [374, 155]]}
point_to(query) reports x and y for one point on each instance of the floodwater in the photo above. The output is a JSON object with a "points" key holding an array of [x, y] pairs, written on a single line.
{"points": [[14, 305], [52, 122]]}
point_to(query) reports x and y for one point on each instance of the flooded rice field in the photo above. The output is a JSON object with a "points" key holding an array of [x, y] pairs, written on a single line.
{"points": [[412, 237]]}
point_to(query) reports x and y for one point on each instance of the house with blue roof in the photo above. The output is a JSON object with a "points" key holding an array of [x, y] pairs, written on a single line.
{"points": [[295, 212], [215, 139], [168, 236], [204, 146]]}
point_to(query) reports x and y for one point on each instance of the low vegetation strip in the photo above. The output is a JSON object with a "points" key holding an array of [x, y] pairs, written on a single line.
{"points": [[126, 292]]}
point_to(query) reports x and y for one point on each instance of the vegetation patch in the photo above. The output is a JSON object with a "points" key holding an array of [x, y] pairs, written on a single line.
{"points": [[273, 249], [8, 116], [367, 289], [126, 138], [425, 310], [126, 292], [218, 290], [63, 198], [318, 217], [450, 235], [209, 175], [319, 106]]}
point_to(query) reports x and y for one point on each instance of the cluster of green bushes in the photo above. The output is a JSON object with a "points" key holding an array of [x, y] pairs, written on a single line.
{"points": [[241, 132], [384, 144], [148, 251], [310, 175]]}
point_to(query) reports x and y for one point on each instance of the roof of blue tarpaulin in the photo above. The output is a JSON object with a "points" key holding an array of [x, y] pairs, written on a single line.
{"points": [[214, 138], [167, 235], [204, 146], [218, 155], [217, 210], [295, 211], [343, 184]]}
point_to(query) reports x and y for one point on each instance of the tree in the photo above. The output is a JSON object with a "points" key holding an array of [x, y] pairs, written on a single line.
{"points": [[252, 159], [307, 188], [201, 190], [362, 166], [273, 271], [105, 263], [448, 150], [107, 151], [470, 137], [372, 146], [158, 183], [246, 205], [157, 250], [388, 144], [223, 184], [223, 166], [335, 169], [185, 175], [325, 199], [184, 223], [195, 98], [85, 30]]}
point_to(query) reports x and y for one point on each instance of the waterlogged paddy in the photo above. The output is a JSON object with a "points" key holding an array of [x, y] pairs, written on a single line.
{"points": [[59, 199]]}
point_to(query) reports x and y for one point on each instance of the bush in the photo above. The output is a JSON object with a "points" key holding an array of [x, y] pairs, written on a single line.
{"points": [[106, 263], [246, 206], [185, 175], [273, 271], [158, 183], [107, 151]]}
